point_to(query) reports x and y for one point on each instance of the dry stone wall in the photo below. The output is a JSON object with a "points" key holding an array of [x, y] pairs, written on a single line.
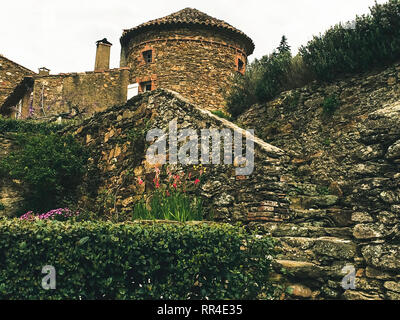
{"points": [[117, 140], [352, 159]]}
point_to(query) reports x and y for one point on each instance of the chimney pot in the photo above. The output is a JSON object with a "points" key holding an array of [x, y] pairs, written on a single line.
{"points": [[102, 55], [43, 71]]}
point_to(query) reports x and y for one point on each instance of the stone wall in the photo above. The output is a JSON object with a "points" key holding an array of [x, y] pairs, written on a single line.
{"points": [[351, 159], [314, 231], [196, 62], [77, 93], [116, 139]]}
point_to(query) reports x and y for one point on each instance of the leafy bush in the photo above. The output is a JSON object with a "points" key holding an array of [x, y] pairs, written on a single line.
{"points": [[330, 104], [266, 78], [102, 260], [371, 40], [50, 166]]}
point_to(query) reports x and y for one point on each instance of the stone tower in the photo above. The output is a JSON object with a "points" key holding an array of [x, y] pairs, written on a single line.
{"points": [[188, 52]]}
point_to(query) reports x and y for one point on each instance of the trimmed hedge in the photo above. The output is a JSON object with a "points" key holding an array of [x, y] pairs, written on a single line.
{"points": [[102, 260]]}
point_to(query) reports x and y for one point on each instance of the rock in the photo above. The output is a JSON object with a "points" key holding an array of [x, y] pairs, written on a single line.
{"points": [[300, 291], [323, 201], [382, 257], [392, 286], [393, 295], [300, 269], [368, 231], [361, 217], [224, 200], [394, 151], [359, 295], [377, 274]]}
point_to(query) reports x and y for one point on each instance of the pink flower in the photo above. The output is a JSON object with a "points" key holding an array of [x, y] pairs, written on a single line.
{"points": [[140, 181], [197, 182]]}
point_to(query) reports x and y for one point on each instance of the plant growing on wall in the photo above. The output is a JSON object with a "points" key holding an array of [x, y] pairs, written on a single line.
{"points": [[173, 198], [50, 166]]}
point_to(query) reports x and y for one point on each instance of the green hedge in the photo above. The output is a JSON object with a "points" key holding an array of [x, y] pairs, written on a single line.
{"points": [[102, 260]]}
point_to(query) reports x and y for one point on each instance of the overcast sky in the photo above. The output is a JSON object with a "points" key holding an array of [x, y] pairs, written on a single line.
{"points": [[61, 35]]}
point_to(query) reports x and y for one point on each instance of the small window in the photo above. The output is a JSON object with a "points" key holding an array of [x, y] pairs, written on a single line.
{"points": [[146, 86], [240, 65], [148, 56]]}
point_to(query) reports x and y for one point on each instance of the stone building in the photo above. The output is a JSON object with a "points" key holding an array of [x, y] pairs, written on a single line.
{"points": [[12, 77], [188, 52]]}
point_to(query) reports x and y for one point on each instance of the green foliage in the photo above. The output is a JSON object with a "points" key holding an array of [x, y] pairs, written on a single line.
{"points": [[371, 40], [102, 260], [2, 206], [266, 78], [330, 104], [50, 166], [27, 126], [221, 114], [177, 206]]}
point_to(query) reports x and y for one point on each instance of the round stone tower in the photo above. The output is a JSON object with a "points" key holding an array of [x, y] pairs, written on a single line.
{"points": [[188, 52]]}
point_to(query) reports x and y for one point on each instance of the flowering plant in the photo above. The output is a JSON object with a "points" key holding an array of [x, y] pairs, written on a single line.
{"points": [[56, 214], [173, 197]]}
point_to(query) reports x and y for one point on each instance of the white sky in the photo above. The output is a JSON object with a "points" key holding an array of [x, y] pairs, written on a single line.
{"points": [[61, 34]]}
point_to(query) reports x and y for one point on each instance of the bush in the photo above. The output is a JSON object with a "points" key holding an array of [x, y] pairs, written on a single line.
{"points": [[102, 260], [266, 78], [330, 105], [50, 166], [369, 41]]}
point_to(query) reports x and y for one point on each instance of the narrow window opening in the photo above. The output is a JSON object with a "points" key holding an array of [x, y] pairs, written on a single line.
{"points": [[146, 86], [240, 65], [148, 56]]}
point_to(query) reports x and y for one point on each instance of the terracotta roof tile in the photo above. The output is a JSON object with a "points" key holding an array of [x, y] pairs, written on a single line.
{"points": [[192, 17]]}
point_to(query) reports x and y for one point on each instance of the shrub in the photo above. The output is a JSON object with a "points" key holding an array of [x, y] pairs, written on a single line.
{"points": [[50, 166], [266, 78], [330, 105], [371, 40], [102, 260]]}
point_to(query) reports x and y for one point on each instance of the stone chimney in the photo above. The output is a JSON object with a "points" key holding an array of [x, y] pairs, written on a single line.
{"points": [[102, 55], [43, 71]]}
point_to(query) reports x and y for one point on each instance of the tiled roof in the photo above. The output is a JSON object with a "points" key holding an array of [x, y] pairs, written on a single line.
{"points": [[190, 16]]}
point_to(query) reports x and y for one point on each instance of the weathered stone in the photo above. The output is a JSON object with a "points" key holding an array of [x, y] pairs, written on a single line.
{"points": [[358, 295], [300, 291], [383, 257], [394, 151], [361, 217], [368, 231], [392, 286]]}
